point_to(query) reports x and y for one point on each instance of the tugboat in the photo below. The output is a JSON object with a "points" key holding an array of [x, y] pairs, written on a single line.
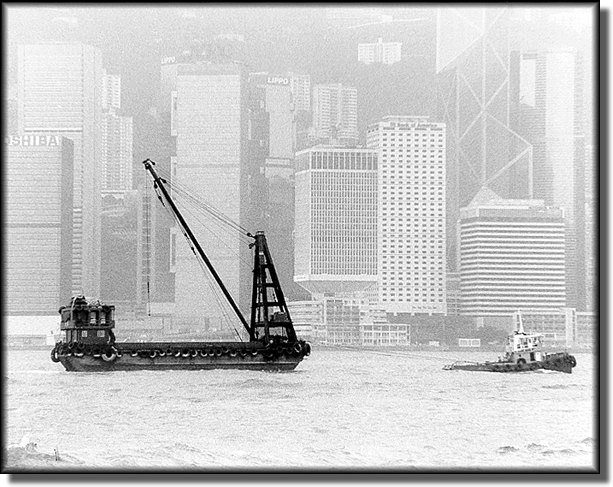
{"points": [[91, 346], [523, 352]]}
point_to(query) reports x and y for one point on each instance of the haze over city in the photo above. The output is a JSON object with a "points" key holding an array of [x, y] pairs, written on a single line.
{"points": [[381, 149]]}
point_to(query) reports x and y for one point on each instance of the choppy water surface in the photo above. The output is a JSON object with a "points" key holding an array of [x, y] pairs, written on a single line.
{"points": [[340, 409]]}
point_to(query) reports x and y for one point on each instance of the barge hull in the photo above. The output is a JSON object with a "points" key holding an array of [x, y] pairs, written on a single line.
{"points": [[129, 363]]}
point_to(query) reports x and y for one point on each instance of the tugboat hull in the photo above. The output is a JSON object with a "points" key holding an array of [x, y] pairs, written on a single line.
{"points": [[561, 362], [176, 356]]}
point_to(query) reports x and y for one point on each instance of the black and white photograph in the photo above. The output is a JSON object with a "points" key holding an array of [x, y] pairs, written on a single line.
{"points": [[301, 238]]}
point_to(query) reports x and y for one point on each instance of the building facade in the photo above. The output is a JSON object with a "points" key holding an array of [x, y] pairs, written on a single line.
{"points": [[380, 52], [117, 161], [111, 91], [336, 219], [39, 223], [117, 139], [60, 93], [512, 256], [301, 91], [335, 113], [564, 327], [551, 117], [476, 100], [209, 121], [411, 254], [270, 168]]}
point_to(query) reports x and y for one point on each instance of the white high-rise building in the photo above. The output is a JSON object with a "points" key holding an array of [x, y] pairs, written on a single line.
{"points": [[117, 139], [380, 52], [38, 234], [60, 93], [336, 226], [301, 91], [117, 150], [335, 112], [411, 254], [512, 256], [111, 91]]}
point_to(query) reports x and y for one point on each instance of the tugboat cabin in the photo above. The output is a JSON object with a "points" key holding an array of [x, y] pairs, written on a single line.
{"points": [[522, 347], [87, 323]]}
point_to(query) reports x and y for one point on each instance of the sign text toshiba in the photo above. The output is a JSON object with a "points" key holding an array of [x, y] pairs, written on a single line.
{"points": [[33, 140]]}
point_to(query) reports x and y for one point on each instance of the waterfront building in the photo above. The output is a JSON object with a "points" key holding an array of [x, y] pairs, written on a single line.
{"points": [[380, 52], [453, 293], [512, 256], [411, 255], [39, 223], [336, 220], [60, 93], [591, 230], [341, 322], [563, 327], [209, 121], [551, 117], [335, 113]]}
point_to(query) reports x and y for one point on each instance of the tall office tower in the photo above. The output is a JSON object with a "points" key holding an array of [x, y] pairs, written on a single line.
{"points": [[122, 246], [59, 92], [411, 255], [335, 113], [209, 119], [270, 167], [511, 256], [117, 139], [552, 119], [336, 220], [38, 232], [380, 52], [301, 91], [474, 95], [591, 231], [117, 162], [111, 91]]}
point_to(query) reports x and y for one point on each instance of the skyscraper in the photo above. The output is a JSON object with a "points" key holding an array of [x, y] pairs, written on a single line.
{"points": [[336, 226], [511, 256], [39, 223], [474, 97], [59, 92], [117, 139], [270, 167], [111, 91], [335, 113], [411, 255], [301, 91], [209, 119], [551, 118]]}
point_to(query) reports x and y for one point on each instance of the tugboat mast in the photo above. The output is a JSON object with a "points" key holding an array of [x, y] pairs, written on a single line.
{"points": [[159, 182]]}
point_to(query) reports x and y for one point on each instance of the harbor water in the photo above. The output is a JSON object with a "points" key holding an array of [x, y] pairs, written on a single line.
{"points": [[344, 410]]}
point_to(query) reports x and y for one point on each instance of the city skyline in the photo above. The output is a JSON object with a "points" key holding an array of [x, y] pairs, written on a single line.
{"points": [[235, 142]]}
